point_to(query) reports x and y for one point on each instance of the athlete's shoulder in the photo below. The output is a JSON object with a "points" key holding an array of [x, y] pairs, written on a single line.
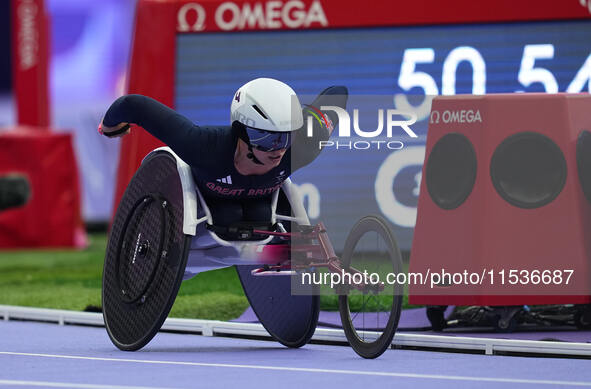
{"points": [[221, 132], [215, 142]]}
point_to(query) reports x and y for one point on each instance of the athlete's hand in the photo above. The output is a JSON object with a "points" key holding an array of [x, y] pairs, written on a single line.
{"points": [[113, 132]]}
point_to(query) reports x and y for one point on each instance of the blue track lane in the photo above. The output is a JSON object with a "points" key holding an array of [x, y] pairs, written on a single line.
{"points": [[48, 355]]}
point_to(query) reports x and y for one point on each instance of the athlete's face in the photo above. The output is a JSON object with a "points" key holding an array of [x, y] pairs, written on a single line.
{"points": [[269, 158]]}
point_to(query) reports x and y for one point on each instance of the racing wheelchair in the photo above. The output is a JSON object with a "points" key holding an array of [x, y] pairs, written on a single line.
{"points": [[163, 234]]}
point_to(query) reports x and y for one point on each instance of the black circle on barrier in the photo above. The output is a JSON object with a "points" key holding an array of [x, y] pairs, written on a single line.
{"points": [[528, 170], [146, 254], [451, 170], [584, 162]]}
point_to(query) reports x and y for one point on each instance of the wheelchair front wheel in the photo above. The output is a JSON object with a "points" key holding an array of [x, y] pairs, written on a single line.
{"points": [[370, 316]]}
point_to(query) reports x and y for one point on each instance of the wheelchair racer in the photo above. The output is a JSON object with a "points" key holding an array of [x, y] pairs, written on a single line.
{"points": [[237, 168]]}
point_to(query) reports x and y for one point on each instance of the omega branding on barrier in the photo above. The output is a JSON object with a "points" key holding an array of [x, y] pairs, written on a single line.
{"points": [[269, 15], [460, 116]]}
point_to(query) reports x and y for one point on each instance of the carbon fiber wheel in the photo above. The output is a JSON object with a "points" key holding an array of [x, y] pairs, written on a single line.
{"points": [[146, 254], [370, 316], [289, 319]]}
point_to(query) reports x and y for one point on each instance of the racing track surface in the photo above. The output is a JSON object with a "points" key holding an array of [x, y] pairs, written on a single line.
{"points": [[36, 354]]}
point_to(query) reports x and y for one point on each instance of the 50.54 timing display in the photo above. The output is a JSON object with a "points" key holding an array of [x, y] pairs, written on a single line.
{"points": [[531, 71]]}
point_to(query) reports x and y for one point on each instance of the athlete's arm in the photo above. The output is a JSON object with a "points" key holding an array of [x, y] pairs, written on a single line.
{"points": [[172, 128], [306, 148]]}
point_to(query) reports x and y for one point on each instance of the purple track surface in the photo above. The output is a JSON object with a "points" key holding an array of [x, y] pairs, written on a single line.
{"points": [[417, 318], [49, 355]]}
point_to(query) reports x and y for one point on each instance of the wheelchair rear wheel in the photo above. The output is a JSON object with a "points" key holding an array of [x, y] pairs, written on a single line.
{"points": [[146, 254]]}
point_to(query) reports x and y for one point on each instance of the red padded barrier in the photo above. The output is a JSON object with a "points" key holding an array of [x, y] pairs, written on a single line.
{"points": [[52, 217], [486, 232]]}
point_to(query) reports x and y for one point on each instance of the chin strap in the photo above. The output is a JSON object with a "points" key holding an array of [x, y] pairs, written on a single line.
{"points": [[252, 157]]}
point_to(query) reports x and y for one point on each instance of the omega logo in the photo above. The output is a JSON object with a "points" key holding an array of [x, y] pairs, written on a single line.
{"points": [[183, 23]]}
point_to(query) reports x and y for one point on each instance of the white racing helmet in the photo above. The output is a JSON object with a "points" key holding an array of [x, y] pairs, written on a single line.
{"points": [[268, 110]]}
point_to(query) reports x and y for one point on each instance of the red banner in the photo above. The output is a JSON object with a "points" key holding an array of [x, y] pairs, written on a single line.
{"points": [[30, 54], [241, 15]]}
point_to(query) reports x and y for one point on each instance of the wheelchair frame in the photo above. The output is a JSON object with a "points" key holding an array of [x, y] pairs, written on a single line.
{"points": [[315, 249]]}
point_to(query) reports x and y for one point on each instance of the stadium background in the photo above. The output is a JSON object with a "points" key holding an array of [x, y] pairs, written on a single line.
{"points": [[193, 55], [422, 48]]}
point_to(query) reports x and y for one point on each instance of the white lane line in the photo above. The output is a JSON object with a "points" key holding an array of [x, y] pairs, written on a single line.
{"points": [[312, 370], [46, 384]]}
